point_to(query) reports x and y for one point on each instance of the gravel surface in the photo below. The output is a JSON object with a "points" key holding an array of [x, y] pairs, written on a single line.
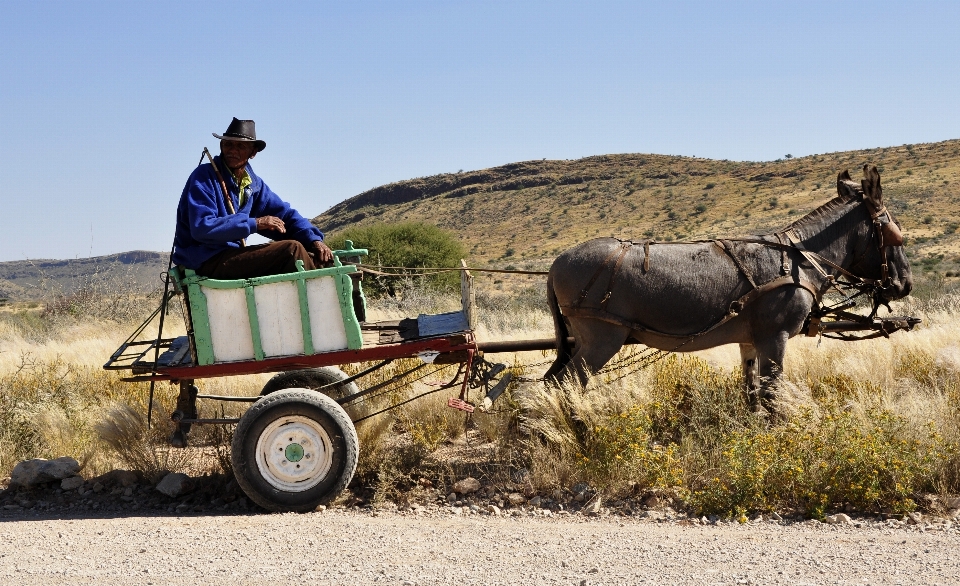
{"points": [[439, 546], [123, 528]]}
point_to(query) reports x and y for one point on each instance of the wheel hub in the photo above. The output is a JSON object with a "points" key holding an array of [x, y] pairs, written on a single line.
{"points": [[294, 453]]}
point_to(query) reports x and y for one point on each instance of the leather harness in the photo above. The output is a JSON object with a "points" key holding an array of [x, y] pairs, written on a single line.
{"points": [[787, 240]]}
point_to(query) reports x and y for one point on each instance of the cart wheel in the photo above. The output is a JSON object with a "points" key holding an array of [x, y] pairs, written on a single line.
{"points": [[293, 450], [312, 378]]}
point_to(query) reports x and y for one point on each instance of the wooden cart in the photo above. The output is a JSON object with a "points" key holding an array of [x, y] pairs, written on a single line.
{"points": [[296, 447]]}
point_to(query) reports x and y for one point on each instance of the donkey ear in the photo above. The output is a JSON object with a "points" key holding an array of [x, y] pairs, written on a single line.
{"points": [[843, 185], [871, 186]]}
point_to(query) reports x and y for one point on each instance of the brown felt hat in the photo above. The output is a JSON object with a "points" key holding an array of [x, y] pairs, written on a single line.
{"points": [[242, 131]]}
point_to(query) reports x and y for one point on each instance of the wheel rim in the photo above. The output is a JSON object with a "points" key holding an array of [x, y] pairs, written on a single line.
{"points": [[294, 453]]}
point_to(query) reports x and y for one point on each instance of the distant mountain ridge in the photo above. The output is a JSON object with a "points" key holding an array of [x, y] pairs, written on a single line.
{"points": [[23, 280]]}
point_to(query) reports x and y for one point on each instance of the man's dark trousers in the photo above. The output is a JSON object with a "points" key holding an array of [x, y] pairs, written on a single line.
{"points": [[259, 260]]}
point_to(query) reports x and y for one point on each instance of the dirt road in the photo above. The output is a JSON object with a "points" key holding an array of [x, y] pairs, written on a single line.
{"points": [[355, 547]]}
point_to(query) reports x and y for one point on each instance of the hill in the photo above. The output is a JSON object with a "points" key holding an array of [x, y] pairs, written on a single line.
{"points": [[28, 280], [526, 213]]}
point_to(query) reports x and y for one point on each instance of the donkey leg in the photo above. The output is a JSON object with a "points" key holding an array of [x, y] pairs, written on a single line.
{"points": [[770, 354], [751, 374], [559, 365], [597, 343], [774, 318], [564, 352]]}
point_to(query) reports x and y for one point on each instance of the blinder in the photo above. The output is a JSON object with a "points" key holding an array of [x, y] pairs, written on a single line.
{"points": [[890, 232], [887, 234]]}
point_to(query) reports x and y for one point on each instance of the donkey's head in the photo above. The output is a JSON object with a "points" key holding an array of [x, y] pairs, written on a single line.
{"points": [[878, 252]]}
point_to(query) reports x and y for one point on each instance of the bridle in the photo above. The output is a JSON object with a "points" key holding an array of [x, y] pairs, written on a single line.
{"points": [[850, 280], [879, 228]]}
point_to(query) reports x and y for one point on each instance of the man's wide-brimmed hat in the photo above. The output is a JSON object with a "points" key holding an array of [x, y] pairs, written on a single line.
{"points": [[242, 131]]}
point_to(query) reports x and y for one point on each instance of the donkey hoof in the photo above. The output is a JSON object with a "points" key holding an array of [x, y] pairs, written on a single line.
{"points": [[760, 409]]}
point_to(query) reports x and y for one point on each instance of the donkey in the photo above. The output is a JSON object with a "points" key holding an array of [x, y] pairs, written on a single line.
{"points": [[756, 292]]}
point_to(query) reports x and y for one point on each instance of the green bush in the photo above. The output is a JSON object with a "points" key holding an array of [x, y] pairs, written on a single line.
{"points": [[407, 244], [814, 463]]}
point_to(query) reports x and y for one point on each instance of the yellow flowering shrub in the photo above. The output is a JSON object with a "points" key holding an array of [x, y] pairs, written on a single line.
{"points": [[813, 463], [621, 448]]}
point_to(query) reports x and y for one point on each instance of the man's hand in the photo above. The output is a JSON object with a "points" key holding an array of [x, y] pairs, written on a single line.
{"points": [[323, 253], [271, 223]]}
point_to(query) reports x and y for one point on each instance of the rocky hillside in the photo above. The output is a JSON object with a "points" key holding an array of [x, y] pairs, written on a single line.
{"points": [[526, 213], [25, 280]]}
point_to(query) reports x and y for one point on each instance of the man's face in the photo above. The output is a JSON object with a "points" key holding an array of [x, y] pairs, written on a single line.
{"points": [[236, 153]]}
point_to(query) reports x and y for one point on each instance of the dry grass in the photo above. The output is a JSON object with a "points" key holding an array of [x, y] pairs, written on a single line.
{"points": [[123, 429], [56, 400], [872, 425]]}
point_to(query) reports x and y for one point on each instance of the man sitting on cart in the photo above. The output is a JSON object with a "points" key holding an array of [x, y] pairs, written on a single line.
{"points": [[211, 228]]}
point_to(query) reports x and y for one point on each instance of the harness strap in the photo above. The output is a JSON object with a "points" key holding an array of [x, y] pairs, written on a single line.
{"points": [[798, 244], [829, 280], [646, 256], [815, 258], [810, 255], [586, 290], [784, 267], [735, 308], [624, 247], [727, 247], [878, 228]]}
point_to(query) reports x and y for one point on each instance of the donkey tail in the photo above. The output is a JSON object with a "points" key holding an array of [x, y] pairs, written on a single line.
{"points": [[564, 350]]}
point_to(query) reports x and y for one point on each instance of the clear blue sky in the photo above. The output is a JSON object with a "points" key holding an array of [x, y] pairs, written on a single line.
{"points": [[105, 106]]}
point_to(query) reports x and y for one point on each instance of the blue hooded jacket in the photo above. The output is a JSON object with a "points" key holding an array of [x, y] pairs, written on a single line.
{"points": [[205, 228]]}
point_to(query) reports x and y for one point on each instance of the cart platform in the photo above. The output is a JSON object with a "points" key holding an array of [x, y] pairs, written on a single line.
{"points": [[442, 333]]}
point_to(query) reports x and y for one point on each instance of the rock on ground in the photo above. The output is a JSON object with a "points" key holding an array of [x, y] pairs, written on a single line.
{"points": [[123, 478], [839, 519], [466, 486], [72, 483], [593, 507], [175, 484], [516, 499], [39, 471]]}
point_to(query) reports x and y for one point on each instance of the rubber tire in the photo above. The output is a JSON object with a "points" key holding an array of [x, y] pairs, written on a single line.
{"points": [[311, 378], [307, 403]]}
